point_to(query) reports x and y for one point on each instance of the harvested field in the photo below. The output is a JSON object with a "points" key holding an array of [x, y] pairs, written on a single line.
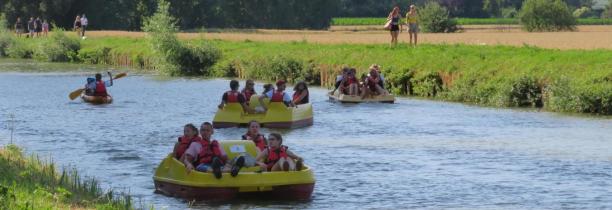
{"points": [[587, 37]]}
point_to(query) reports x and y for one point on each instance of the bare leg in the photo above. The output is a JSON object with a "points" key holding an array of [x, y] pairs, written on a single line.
{"points": [[276, 166], [290, 162], [381, 91], [415, 38]]}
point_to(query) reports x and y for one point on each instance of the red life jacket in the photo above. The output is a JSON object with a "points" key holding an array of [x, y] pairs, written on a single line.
{"points": [[372, 82], [184, 143], [296, 95], [275, 154], [232, 96], [277, 96], [260, 140], [247, 94], [209, 151], [100, 89]]}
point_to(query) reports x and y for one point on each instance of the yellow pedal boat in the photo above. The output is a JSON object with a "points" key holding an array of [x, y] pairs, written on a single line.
{"points": [[172, 179], [277, 116], [337, 96], [97, 99]]}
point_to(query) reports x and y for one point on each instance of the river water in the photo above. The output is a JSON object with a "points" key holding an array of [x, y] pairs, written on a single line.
{"points": [[411, 154]]}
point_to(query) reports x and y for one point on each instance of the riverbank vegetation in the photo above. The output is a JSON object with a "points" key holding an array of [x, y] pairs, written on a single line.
{"points": [[27, 182]]}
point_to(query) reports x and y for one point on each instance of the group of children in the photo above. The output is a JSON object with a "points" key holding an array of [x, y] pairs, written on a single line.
{"points": [[300, 95], [34, 27], [199, 151], [368, 85]]}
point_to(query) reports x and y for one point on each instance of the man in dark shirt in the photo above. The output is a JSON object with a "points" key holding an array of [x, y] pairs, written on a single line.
{"points": [[234, 96], [31, 29]]}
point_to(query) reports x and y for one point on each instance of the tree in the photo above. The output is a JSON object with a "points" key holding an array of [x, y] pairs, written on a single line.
{"points": [[435, 18], [608, 12], [546, 15]]}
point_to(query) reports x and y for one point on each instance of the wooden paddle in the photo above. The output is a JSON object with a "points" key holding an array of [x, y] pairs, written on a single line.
{"points": [[75, 94]]}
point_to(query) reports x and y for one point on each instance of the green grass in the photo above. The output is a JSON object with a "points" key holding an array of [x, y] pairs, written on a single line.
{"points": [[27, 182], [557, 80], [461, 21]]}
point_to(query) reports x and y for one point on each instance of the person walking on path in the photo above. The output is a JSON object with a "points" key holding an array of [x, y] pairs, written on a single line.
{"points": [[45, 28], [31, 27], [18, 27], [395, 26], [38, 26], [412, 19], [77, 25], [84, 23]]}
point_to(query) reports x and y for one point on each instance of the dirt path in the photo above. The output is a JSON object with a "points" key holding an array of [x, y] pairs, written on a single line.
{"points": [[587, 37]]}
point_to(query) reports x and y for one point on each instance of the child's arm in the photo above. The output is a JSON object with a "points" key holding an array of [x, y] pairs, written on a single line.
{"points": [[294, 156]]}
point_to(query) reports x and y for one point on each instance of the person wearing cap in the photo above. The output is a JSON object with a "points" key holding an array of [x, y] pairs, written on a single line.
{"points": [[278, 95], [234, 96]]}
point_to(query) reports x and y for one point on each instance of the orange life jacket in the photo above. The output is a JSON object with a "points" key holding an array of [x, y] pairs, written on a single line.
{"points": [[260, 140], [275, 154], [184, 143], [209, 151]]}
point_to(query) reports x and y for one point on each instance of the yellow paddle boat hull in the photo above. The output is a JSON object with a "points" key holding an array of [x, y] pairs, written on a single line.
{"points": [[172, 179], [337, 96], [277, 116], [97, 99]]}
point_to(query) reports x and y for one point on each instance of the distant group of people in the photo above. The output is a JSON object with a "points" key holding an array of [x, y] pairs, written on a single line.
{"points": [[394, 26], [80, 25], [371, 84], [199, 151], [300, 95], [33, 27]]}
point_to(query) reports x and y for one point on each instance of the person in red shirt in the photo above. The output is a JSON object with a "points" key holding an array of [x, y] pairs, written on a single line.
{"points": [[234, 96]]}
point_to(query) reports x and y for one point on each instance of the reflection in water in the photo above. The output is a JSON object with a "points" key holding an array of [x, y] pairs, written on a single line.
{"points": [[411, 154]]}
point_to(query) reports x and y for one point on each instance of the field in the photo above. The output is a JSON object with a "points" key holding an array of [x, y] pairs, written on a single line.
{"points": [[587, 37], [461, 21]]}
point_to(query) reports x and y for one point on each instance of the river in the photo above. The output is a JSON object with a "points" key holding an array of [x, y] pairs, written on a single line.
{"points": [[411, 154]]}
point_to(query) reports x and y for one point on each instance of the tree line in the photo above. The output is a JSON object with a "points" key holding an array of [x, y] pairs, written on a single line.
{"points": [[198, 14]]}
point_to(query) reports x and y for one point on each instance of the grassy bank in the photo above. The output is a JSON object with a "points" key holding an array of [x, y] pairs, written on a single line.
{"points": [[562, 81], [460, 21], [27, 182]]}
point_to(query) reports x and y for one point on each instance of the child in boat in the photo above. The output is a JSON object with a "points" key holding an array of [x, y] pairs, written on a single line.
{"points": [[253, 134], [300, 94], [372, 85], [267, 88], [100, 85], [278, 95], [339, 79], [190, 135], [350, 85], [248, 91], [233, 96], [90, 87], [277, 157], [207, 155]]}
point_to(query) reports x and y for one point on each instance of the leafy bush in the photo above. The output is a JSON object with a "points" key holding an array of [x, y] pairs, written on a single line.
{"points": [[509, 12], [19, 49], [170, 55], [546, 15], [434, 18], [6, 40], [58, 48]]}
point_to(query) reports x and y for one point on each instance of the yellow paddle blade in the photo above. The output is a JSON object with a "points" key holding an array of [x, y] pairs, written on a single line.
{"points": [[76, 93], [120, 75]]}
